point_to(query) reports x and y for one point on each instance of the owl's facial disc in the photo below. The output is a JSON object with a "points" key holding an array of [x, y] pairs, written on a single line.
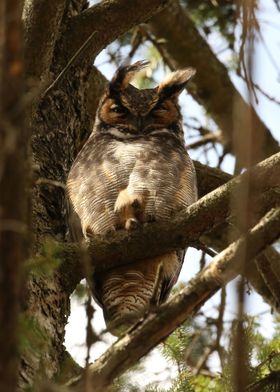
{"points": [[138, 112]]}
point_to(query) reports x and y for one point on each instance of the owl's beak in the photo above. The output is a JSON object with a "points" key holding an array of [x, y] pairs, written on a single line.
{"points": [[140, 123]]}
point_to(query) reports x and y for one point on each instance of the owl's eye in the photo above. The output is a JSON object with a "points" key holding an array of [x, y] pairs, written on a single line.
{"points": [[160, 107], [118, 109]]}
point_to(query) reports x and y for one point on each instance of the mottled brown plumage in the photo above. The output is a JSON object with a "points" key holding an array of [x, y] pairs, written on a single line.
{"points": [[133, 169]]}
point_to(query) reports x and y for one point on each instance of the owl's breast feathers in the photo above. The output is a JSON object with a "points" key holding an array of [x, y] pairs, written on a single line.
{"points": [[117, 184], [107, 171]]}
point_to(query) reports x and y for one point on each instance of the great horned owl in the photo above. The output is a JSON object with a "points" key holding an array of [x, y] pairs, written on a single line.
{"points": [[133, 169]]}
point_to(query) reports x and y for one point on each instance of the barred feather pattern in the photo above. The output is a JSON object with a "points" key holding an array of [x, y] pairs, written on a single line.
{"points": [[161, 172], [122, 165]]}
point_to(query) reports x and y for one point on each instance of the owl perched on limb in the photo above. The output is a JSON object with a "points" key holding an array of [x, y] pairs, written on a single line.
{"points": [[133, 169]]}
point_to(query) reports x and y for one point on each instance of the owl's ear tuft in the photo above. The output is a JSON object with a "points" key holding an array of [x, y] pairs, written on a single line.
{"points": [[175, 83], [124, 75]]}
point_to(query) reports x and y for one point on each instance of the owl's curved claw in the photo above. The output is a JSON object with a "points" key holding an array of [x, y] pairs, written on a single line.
{"points": [[132, 224]]}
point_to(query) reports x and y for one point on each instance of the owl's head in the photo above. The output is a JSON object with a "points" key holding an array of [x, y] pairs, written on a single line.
{"points": [[137, 112]]}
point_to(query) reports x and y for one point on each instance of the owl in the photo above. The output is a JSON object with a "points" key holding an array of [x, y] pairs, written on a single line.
{"points": [[133, 169]]}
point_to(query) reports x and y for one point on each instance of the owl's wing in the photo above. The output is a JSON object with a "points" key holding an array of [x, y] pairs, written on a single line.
{"points": [[74, 223]]}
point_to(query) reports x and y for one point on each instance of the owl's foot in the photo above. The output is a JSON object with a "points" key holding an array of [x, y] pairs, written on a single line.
{"points": [[128, 201], [129, 208], [132, 224]]}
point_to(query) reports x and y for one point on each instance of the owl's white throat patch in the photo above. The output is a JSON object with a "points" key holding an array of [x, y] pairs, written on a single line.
{"points": [[121, 134], [128, 135]]}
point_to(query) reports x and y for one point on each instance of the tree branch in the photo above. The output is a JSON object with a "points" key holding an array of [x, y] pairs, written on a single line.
{"points": [[56, 120], [110, 19], [156, 327], [262, 280], [182, 230], [211, 86], [272, 281], [41, 26], [211, 137]]}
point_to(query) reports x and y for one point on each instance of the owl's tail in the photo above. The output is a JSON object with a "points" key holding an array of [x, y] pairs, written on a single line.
{"points": [[126, 293]]}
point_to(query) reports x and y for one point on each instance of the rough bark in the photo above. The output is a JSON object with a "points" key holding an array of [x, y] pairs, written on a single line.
{"points": [[13, 198], [95, 88], [211, 86], [41, 28], [110, 19], [47, 304], [157, 326]]}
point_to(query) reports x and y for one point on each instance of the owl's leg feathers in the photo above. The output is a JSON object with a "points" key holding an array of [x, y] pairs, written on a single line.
{"points": [[130, 208]]}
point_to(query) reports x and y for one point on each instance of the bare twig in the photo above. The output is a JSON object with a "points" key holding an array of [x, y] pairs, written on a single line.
{"points": [[135, 43], [46, 181], [264, 93], [208, 138], [220, 325], [158, 44], [202, 360], [200, 246], [76, 55]]}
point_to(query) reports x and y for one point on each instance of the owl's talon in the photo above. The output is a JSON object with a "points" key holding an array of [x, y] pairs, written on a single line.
{"points": [[132, 224]]}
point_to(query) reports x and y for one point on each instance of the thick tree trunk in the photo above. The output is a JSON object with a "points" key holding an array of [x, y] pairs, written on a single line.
{"points": [[59, 123]]}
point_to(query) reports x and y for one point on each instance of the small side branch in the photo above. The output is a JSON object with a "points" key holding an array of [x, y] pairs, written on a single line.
{"points": [[211, 137]]}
